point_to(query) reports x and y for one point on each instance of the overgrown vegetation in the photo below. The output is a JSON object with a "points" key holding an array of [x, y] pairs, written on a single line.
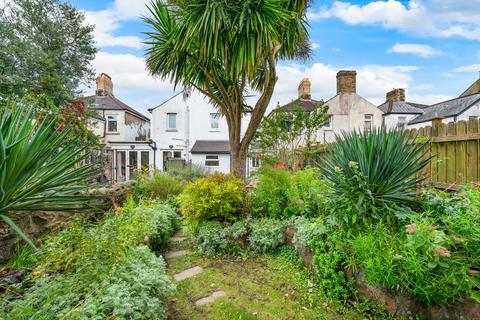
{"points": [[86, 271], [157, 185]]}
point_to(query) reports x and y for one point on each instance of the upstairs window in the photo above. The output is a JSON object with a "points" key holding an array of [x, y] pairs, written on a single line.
{"points": [[112, 124], [171, 121], [214, 120], [402, 122], [212, 161], [368, 123]]}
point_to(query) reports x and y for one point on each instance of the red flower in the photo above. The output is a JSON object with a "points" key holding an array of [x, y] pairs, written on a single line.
{"points": [[473, 272], [442, 251]]}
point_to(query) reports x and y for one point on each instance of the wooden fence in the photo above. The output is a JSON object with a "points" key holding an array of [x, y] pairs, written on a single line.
{"points": [[455, 151]]}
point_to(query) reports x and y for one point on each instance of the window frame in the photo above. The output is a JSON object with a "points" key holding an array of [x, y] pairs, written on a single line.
{"points": [[112, 118], [369, 121], [212, 158], [214, 119], [329, 125], [402, 124], [169, 115]]}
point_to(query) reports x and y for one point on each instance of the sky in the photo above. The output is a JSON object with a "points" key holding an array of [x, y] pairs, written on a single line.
{"points": [[429, 47]]}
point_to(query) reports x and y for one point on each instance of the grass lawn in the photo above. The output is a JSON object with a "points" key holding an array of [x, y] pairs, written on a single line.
{"points": [[258, 287]]}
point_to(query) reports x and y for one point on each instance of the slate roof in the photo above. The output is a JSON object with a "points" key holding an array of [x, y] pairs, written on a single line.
{"points": [[109, 102], [401, 107], [211, 147], [446, 109], [307, 104]]}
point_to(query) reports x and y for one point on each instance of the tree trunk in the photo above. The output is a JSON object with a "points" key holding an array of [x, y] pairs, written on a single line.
{"points": [[239, 162]]}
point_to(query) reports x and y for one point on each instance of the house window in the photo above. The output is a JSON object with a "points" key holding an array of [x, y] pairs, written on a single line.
{"points": [[177, 154], [402, 122], [212, 161], [368, 122], [214, 120], [328, 123], [255, 162], [112, 125], [171, 121]]}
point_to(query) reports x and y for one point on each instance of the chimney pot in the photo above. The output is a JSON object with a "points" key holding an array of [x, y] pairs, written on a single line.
{"points": [[104, 85], [347, 81], [304, 89], [396, 95]]}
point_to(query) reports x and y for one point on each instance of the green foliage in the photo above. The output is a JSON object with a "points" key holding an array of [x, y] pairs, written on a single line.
{"points": [[436, 258], [46, 49], [270, 197], [217, 197], [266, 235], [187, 173], [157, 185], [307, 231], [97, 271], [39, 171], [212, 238], [284, 131], [307, 194], [372, 174]]}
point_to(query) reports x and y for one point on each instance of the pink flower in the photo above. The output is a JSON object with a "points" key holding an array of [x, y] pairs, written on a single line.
{"points": [[473, 272], [410, 228], [442, 251]]}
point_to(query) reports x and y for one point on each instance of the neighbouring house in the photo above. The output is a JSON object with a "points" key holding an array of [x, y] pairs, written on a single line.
{"points": [[187, 128], [123, 130], [400, 114], [348, 110]]}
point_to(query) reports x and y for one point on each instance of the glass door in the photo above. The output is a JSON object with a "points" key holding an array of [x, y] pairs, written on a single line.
{"points": [[132, 164], [121, 166]]}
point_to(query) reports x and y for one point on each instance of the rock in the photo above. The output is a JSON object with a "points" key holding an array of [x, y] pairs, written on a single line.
{"points": [[174, 254], [188, 273], [211, 298]]}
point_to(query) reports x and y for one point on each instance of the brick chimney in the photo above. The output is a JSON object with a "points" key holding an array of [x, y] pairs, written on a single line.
{"points": [[104, 85], [396, 95], [347, 81], [304, 89]]}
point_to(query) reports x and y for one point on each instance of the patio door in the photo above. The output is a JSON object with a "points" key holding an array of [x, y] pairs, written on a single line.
{"points": [[121, 166], [133, 167]]}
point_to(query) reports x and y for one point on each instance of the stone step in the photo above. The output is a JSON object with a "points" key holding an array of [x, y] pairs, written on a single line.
{"points": [[178, 239], [187, 273], [211, 298], [174, 254]]}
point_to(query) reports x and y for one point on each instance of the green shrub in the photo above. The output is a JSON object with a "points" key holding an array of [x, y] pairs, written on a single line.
{"points": [[307, 231], [157, 185], [270, 198], [436, 258], [212, 238], [266, 234], [307, 194], [372, 174], [218, 197], [97, 270], [187, 173]]}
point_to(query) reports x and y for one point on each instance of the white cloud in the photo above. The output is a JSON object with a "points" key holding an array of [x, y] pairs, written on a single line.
{"points": [[421, 50], [319, 14], [108, 21], [428, 98], [425, 86], [315, 45], [440, 18], [467, 69]]}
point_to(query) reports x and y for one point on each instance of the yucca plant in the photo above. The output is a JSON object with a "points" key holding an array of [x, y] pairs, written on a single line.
{"points": [[373, 175], [39, 166]]}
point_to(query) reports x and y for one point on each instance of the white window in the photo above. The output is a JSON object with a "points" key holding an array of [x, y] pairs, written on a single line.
{"points": [[328, 123], [112, 124], [212, 161], [368, 123], [171, 121], [177, 154], [402, 122], [255, 162], [214, 120]]}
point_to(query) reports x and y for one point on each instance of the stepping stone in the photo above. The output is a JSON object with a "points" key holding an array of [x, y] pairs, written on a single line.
{"points": [[179, 239], [188, 273], [174, 254], [211, 298]]}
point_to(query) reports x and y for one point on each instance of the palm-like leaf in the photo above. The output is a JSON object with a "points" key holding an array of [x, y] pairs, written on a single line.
{"points": [[380, 168], [39, 169]]}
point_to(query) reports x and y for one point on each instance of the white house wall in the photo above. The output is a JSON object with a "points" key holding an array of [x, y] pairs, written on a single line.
{"points": [[391, 120], [223, 159]]}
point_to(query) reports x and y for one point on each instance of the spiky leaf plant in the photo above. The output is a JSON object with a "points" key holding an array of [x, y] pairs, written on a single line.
{"points": [[374, 175], [39, 167]]}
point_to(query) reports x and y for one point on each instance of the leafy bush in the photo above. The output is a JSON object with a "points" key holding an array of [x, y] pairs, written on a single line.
{"points": [[270, 198], [266, 234], [97, 271], [217, 197], [436, 258], [157, 185], [307, 194], [212, 238], [307, 231], [372, 174], [187, 173]]}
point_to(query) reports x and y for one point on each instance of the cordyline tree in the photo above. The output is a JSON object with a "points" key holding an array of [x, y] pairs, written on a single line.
{"points": [[224, 48]]}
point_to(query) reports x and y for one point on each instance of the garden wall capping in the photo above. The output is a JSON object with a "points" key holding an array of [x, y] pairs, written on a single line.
{"points": [[396, 304]]}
